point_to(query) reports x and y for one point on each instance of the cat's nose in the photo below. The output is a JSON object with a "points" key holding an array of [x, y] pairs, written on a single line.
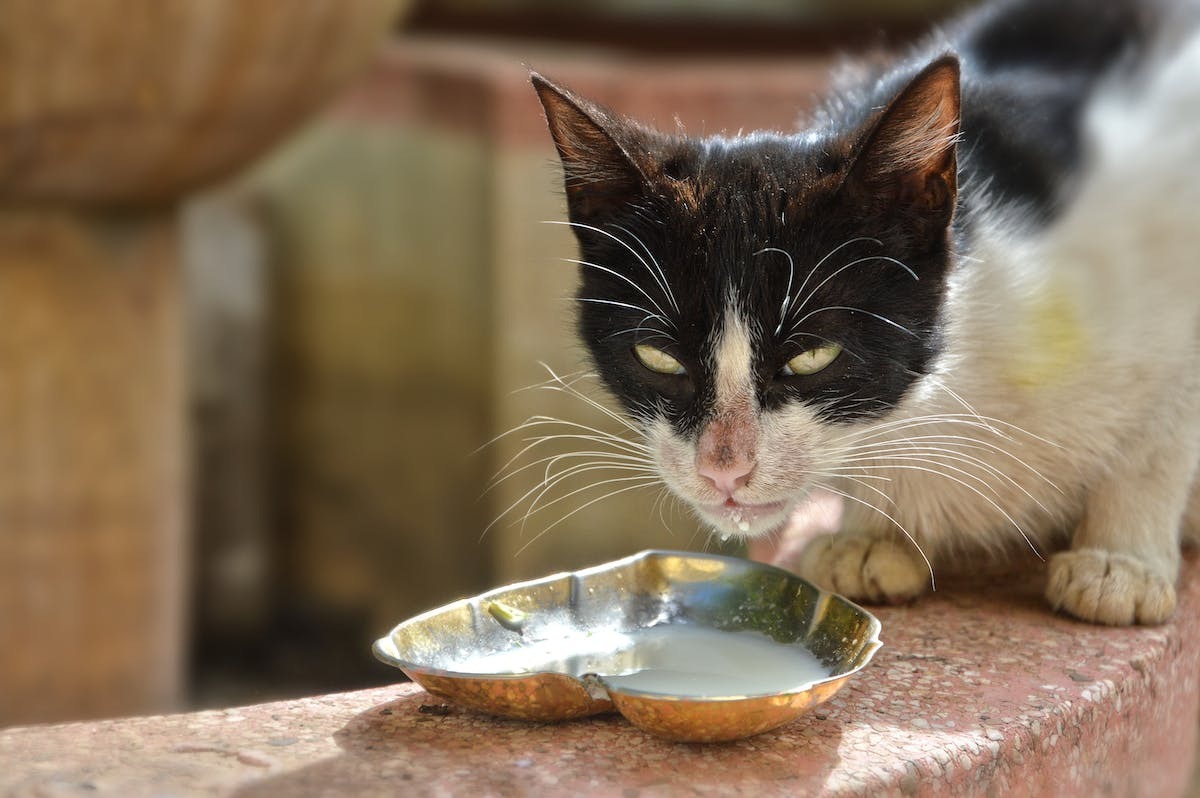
{"points": [[725, 451], [727, 476]]}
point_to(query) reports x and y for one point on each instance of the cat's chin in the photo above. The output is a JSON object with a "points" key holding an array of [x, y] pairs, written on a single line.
{"points": [[746, 520]]}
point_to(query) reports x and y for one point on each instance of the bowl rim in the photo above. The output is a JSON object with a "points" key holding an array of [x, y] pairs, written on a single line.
{"points": [[870, 645]]}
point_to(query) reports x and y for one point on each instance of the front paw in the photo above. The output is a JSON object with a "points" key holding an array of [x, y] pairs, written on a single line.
{"points": [[864, 568], [1105, 587]]}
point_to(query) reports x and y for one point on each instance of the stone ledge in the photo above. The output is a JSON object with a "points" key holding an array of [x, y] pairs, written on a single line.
{"points": [[977, 691]]}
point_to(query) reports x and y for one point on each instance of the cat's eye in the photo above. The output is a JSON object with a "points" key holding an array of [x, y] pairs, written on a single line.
{"points": [[657, 360], [810, 361]]}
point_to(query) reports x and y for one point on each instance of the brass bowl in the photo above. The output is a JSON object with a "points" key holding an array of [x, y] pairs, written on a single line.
{"points": [[634, 594]]}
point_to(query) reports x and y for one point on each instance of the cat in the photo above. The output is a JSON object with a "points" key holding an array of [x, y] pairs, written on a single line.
{"points": [[963, 303]]}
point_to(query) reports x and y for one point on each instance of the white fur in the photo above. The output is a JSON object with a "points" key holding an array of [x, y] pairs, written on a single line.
{"points": [[732, 361]]}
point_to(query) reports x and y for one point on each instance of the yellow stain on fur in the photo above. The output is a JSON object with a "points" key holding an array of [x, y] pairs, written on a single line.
{"points": [[1055, 340]]}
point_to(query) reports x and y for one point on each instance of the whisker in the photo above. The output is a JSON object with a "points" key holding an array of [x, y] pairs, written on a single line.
{"points": [[787, 292], [883, 319], [570, 389], [619, 276], [930, 469], [858, 479], [856, 262], [658, 278], [829, 255], [552, 460], [536, 491], [657, 333], [919, 453], [961, 442], [536, 506], [665, 283], [967, 419], [615, 303], [659, 506], [941, 384], [611, 440], [624, 461], [580, 509], [897, 524], [536, 421], [933, 456], [595, 465]]}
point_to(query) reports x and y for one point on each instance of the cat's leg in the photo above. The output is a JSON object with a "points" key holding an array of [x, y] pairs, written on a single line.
{"points": [[874, 563], [1124, 556], [866, 565]]}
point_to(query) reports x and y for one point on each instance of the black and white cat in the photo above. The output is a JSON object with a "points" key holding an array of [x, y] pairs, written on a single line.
{"points": [[965, 302]]}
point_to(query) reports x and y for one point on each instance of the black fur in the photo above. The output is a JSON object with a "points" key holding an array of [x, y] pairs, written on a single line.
{"points": [[1028, 69], [706, 209]]}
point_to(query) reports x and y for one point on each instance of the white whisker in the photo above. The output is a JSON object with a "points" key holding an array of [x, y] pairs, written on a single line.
{"points": [[536, 506], [665, 283], [858, 479], [966, 419], [897, 524], [957, 442], [655, 273], [787, 293], [581, 508], [830, 254], [553, 460], [883, 319], [931, 469], [536, 492], [614, 303], [619, 276], [618, 443], [557, 384], [840, 269], [941, 385]]}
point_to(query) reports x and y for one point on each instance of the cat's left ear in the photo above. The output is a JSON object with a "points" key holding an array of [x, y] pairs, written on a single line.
{"points": [[909, 157], [601, 177]]}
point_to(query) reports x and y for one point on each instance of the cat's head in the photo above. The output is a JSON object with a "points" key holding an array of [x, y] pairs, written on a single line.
{"points": [[750, 299]]}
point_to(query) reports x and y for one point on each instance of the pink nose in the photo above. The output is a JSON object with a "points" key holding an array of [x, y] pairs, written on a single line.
{"points": [[729, 475]]}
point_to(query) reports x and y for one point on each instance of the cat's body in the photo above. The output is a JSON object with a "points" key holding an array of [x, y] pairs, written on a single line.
{"points": [[973, 314]]}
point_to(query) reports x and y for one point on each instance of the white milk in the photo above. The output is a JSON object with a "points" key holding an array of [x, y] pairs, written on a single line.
{"points": [[673, 659]]}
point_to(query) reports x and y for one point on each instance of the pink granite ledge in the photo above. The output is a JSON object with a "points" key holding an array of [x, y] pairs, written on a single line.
{"points": [[976, 692]]}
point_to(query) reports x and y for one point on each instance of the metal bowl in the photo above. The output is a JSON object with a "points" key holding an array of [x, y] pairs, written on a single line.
{"points": [[441, 650]]}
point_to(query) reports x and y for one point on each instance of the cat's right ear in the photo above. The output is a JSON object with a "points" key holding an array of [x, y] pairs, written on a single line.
{"points": [[909, 157], [601, 178]]}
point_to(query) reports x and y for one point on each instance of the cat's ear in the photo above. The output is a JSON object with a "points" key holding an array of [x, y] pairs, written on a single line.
{"points": [[601, 178], [909, 157]]}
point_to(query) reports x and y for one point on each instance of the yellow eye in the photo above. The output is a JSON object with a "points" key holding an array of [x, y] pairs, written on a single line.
{"points": [[810, 361], [657, 360]]}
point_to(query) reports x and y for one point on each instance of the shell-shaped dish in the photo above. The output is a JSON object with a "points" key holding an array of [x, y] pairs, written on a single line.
{"points": [[655, 590]]}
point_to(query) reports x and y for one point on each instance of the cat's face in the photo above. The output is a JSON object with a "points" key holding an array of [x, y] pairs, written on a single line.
{"points": [[750, 300]]}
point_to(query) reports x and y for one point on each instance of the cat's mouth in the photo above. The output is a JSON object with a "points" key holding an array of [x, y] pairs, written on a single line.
{"points": [[743, 518]]}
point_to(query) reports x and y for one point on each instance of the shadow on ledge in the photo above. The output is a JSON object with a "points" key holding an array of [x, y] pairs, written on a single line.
{"points": [[418, 745]]}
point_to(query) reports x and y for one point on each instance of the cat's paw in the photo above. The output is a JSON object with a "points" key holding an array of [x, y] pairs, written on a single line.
{"points": [[864, 568], [1106, 587]]}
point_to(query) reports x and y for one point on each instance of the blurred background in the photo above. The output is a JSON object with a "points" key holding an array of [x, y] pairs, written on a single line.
{"points": [[271, 276]]}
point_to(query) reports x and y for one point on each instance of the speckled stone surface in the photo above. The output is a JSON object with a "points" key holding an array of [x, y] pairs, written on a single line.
{"points": [[979, 690]]}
